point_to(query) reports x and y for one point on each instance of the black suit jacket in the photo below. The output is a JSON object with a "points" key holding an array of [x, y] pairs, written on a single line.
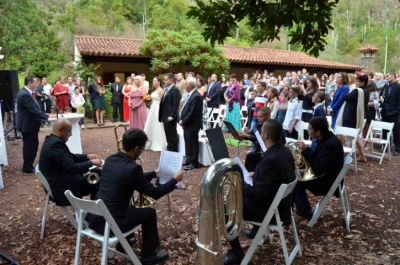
{"points": [[93, 91], [169, 105], [275, 168], [60, 167], [120, 177], [327, 160], [214, 94], [192, 113], [391, 104], [116, 95], [29, 114]]}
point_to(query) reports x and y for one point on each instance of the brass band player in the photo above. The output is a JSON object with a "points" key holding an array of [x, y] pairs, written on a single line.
{"points": [[326, 161], [121, 176], [275, 167]]}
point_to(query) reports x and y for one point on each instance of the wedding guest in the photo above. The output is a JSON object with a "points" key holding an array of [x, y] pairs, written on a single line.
{"points": [[319, 108], [117, 99], [203, 93], [243, 88], [138, 109], [126, 91], [283, 104], [341, 89], [330, 85], [224, 87], [78, 84], [61, 92], [306, 96], [372, 108], [100, 101], [77, 102], [291, 124], [272, 101], [233, 106]]}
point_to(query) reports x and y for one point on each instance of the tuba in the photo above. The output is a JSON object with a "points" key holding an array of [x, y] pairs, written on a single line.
{"points": [[222, 181], [301, 162]]}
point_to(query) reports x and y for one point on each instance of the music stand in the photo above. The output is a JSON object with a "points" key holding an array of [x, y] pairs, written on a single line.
{"points": [[234, 133]]}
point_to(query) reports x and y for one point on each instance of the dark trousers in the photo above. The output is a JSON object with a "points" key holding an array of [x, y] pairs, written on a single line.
{"points": [[172, 135], [93, 111], [117, 107], [251, 161], [29, 149], [306, 117], [47, 104], [191, 147], [293, 135], [300, 198], [396, 129]]}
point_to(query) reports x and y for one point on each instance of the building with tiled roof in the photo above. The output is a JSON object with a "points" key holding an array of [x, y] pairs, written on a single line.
{"points": [[123, 55]]}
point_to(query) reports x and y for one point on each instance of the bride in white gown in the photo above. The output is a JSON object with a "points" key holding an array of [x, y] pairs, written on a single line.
{"points": [[153, 128]]}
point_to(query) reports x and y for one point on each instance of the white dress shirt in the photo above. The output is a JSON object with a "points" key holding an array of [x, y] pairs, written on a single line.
{"points": [[293, 113]]}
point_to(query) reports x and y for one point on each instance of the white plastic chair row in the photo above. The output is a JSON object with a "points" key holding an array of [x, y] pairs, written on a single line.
{"points": [[374, 129], [243, 119], [265, 227], [353, 134]]}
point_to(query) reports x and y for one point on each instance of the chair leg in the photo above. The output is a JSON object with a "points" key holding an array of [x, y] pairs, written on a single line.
{"points": [[72, 220], [318, 210], [44, 217], [355, 161], [253, 246], [346, 207], [78, 245], [296, 237], [283, 243]]}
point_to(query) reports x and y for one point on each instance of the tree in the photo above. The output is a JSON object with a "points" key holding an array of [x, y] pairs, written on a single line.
{"points": [[309, 21], [182, 51]]}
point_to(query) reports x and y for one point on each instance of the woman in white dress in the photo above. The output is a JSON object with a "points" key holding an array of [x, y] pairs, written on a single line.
{"points": [[153, 128]]}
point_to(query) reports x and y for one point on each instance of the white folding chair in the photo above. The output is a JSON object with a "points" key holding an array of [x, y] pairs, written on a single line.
{"points": [[265, 227], [349, 148], [49, 202], [379, 126], [243, 119], [214, 121], [223, 115], [99, 208], [303, 127], [343, 197]]}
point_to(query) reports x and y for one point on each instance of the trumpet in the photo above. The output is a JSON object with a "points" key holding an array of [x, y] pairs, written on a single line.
{"points": [[92, 177]]}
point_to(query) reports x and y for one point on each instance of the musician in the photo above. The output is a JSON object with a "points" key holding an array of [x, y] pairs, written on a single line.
{"points": [[326, 160], [275, 168], [121, 176], [62, 169]]}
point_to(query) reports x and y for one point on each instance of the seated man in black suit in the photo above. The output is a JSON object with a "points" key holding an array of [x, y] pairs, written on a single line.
{"points": [[64, 170], [327, 159], [121, 176], [191, 120], [275, 168]]}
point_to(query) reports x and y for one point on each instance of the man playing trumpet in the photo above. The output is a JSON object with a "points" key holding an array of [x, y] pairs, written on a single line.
{"points": [[121, 176], [64, 170], [326, 161]]}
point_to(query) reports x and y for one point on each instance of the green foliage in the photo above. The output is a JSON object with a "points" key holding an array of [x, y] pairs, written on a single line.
{"points": [[86, 72], [181, 51], [309, 21]]}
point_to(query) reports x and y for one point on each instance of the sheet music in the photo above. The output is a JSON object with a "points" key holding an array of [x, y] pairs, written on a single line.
{"points": [[170, 163], [260, 141], [246, 175]]}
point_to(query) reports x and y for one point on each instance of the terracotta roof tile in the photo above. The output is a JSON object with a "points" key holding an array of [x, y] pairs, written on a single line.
{"points": [[119, 47], [368, 48]]}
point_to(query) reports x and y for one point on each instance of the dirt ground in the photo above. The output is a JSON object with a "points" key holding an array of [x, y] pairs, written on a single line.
{"points": [[373, 194]]}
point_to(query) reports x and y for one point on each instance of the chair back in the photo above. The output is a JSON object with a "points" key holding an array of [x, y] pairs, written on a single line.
{"points": [[283, 192], [349, 132], [43, 180], [382, 125], [347, 161]]}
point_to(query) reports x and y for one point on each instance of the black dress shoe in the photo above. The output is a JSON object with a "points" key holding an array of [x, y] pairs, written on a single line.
{"points": [[190, 167], [307, 216], [185, 164], [121, 120], [28, 171], [114, 120], [155, 258], [396, 153], [252, 233], [230, 258]]}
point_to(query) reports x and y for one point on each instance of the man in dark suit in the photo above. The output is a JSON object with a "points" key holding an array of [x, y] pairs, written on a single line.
{"points": [[213, 92], [326, 161], [391, 109], [116, 100], [191, 122], [64, 170], [169, 112], [276, 167], [93, 94], [121, 176], [28, 122]]}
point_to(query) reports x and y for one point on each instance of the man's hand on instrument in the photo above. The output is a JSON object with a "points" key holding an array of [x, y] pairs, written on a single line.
{"points": [[97, 162], [178, 176], [94, 156], [157, 171], [301, 145]]}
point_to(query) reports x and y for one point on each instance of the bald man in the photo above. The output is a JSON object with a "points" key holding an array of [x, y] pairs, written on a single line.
{"points": [[64, 170]]}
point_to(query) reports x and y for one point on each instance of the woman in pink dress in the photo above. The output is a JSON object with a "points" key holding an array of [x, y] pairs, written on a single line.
{"points": [[138, 109]]}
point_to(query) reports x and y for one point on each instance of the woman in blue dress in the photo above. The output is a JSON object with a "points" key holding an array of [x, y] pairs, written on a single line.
{"points": [[232, 98], [342, 88]]}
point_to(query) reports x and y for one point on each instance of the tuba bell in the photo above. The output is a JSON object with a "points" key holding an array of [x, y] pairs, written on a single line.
{"points": [[300, 162], [222, 182]]}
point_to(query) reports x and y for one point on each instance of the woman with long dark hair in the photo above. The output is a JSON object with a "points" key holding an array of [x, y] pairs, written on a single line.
{"points": [[99, 103], [306, 96]]}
